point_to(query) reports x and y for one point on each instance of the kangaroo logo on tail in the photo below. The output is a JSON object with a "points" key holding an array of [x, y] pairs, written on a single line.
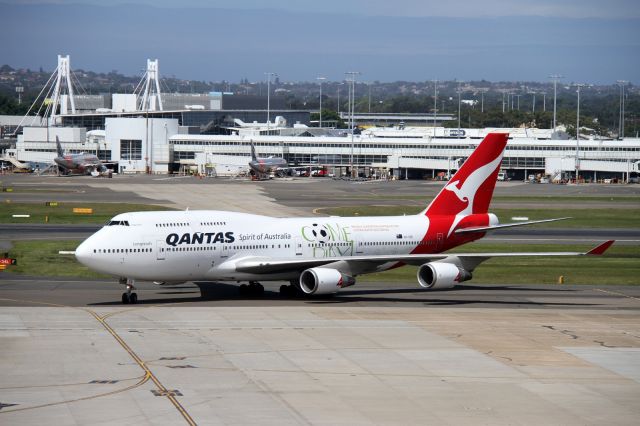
{"points": [[471, 187], [453, 187]]}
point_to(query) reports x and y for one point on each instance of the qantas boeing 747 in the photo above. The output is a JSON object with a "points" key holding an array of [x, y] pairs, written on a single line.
{"points": [[317, 255]]}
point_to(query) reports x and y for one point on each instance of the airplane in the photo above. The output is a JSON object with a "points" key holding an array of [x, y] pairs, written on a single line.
{"points": [[317, 255], [78, 163], [263, 166]]}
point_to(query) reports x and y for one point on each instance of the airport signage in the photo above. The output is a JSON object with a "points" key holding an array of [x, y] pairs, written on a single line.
{"points": [[457, 132], [7, 261], [79, 210], [51, 203]]}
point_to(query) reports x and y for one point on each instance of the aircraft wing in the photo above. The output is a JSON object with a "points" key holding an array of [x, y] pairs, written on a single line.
{"points": [[265, 265], [91, 165], [506, 225]]}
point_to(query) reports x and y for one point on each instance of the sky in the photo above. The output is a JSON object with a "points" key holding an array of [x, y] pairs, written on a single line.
{"points": [[590, 41]]}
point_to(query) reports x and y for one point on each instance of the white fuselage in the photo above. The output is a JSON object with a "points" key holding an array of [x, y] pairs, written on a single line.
{"points": [[205, 245]]}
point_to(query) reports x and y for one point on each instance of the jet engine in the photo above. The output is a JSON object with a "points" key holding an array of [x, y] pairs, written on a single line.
{"points": [[168, 282], [437, 275], [324, 281]]}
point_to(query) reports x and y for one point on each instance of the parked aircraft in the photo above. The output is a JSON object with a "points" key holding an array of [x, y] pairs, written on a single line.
{"points": [[263, 166], [78, 163], [317, 255]]}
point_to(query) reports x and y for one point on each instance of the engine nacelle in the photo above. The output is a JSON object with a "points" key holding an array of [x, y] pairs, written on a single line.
{"points": [[441, 275], [168, 282], [324, 281]]}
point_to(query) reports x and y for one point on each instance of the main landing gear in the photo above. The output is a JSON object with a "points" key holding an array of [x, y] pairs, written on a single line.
{"points": [[254, 289], [129, 297], [290, 291]]}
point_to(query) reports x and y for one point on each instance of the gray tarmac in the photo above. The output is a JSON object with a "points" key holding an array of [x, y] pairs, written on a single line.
{"points": [[377, 353]]}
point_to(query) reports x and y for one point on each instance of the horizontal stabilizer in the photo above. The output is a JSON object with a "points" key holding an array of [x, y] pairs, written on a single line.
{"points": [[506, 225]]}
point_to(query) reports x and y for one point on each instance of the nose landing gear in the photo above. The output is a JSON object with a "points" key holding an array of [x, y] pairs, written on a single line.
{"points": [[129, 297]]}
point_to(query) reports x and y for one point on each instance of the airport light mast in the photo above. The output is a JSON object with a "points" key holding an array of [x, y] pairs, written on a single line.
{"points": [[435, 104], [352, 105], [269, 75], [320, 108], [621, 83], [578, 86], [459, 92], [482, 92], [533, 102], [555, 78]]}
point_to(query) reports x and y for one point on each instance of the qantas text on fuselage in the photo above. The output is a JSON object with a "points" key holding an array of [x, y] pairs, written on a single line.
{"points": [[317, 255]]}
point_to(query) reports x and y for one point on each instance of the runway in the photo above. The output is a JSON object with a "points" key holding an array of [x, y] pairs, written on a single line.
{"points": [[37, 291]]}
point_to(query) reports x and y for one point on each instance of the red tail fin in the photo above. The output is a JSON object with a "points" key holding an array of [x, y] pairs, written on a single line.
{"points": [[470, 190]]}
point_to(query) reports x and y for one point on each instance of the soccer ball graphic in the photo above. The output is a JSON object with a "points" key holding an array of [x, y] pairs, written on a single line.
{"points": [[320, 233]]}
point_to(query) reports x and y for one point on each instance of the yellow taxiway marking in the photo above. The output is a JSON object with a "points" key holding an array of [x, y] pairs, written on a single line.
{"points": [[148, 373]]}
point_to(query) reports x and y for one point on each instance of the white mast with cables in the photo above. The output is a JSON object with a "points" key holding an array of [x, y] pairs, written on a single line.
{"points": [[63, 79], [151, 87]]}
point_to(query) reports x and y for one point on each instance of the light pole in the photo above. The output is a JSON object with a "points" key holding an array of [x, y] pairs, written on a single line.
{"points": [[269, 75], [544, 101], [621, 83], [352, 104], [482, 92], [578, 86], [555, 78], [320, 79], [369, 84], [518, 96], [19, 91], [435, 102], [533, 102], [459, 92]]}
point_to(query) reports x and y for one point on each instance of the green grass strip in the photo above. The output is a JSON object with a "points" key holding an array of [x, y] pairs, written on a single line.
{"points": [[63, 212], [619, 266], [41, 258], [580, 217]]}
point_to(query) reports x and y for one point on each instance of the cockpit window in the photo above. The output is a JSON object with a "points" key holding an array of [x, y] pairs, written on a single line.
{"points": [[118, 223]]}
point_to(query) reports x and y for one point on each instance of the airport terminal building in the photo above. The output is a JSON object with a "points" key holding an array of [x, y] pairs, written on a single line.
{"points": [[161, 145]]}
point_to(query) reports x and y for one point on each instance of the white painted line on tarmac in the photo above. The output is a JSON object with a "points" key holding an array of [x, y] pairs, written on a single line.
{"points": [[174, 177]]}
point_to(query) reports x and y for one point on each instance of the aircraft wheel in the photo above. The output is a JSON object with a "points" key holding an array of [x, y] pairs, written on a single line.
{"points": [[284, 291], [257, 289], [288, 291], [244, 290], [133, 298], [126, 299]]}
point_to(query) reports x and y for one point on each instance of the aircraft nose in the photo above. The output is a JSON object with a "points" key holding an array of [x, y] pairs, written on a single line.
{"points": [[84, 252]]}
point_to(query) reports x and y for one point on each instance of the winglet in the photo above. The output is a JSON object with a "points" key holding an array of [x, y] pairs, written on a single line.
{"points": [[601, 248]]}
